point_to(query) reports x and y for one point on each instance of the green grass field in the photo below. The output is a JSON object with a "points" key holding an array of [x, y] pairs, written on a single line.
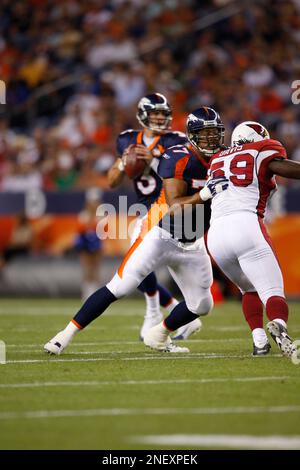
{"points": [[107, 391]]}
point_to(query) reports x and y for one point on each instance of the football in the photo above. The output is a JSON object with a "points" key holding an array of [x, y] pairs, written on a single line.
{"points": [[134, 166]]}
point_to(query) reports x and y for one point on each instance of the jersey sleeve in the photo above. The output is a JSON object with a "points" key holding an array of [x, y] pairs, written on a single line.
{"points": [[123, 141], [166, 166], [269, 150], [172, 164], [121, 145]]}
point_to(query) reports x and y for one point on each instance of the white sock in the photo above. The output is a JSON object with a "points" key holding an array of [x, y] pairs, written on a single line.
{"points": [[259, 337], [282, 322], [70, 331], [161, 327], [172, 305], [152, 301]]}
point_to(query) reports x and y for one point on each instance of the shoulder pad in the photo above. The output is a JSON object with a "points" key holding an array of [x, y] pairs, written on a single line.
{"points": [[173, 138], [178, 150], [127, 131], [275, 145], [177, 134]]}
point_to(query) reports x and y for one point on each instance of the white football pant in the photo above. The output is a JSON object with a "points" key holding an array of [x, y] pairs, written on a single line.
{"points": [[238, 244], [189, 265]]}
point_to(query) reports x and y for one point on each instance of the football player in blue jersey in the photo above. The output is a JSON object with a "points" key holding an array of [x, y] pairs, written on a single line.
{"points": [[155, 116], [184, 172], [161, 245]]}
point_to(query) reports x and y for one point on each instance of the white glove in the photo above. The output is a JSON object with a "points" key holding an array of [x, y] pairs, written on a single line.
{"points": [[121, 166], [212, 187]]}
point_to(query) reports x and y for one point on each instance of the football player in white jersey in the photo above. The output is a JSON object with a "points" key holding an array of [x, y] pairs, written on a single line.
{"points": [[244, 250]]}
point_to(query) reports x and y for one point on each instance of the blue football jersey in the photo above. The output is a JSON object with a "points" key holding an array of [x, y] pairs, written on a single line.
{"points": [[148, 186], [181, 162]]}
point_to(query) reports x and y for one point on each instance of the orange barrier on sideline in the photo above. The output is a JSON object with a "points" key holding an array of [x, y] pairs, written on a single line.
{"points": [[285, 235], [54, 234]]}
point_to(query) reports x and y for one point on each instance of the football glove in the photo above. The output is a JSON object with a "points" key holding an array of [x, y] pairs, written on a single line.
{"points": [[213, 186]]}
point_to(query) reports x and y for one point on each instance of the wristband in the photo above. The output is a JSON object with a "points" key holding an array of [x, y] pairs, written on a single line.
{"points": [[205, 194]]}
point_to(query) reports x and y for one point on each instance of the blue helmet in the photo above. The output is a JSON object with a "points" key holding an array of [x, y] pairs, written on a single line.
{"points": [[205, 118], [150, 103]]}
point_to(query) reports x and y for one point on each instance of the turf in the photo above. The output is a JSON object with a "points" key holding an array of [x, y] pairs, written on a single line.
{"points": [[108, 391]]}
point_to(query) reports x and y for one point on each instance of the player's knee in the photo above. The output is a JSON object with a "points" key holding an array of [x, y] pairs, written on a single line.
{"points": [[120, 287], [202, 305]]}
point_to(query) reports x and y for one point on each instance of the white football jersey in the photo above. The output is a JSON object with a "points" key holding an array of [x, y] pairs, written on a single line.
{"points": [[250, 181]]}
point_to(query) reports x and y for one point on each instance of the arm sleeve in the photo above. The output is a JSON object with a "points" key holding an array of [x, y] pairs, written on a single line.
{"points": [[120, 145], [173, 165], [166, 167], [270, 150]]}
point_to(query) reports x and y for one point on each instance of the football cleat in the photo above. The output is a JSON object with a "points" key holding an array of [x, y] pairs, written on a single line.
{"points": [[158, 338], [282, 339], [56, 345], [149, 322], [185, 331], [263, 351]]}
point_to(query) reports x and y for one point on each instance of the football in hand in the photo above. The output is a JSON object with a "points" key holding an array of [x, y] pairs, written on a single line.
{"points": [[134, 166]]}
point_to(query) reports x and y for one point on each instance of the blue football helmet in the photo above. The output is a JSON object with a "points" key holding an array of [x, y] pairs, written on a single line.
{"points": [[150, 103], [205, 118]]}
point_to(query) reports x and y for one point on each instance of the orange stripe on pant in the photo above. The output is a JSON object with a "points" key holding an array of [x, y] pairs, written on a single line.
{"points": [[77, 324], [155, 214]]}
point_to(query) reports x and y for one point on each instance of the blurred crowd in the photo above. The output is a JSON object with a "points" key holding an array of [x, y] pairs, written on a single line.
{"points": [[75, 71]]}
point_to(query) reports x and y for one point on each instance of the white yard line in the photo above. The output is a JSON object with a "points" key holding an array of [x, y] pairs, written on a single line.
{"points": [[9, 415], [95, 328], [118, 343], [222, 440], [241, 328], [97, 383], [49, 311], [83, 353], [166, 356]]}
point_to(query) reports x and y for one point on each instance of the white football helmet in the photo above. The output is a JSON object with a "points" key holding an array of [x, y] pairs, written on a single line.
{"points": [[248, 131]]}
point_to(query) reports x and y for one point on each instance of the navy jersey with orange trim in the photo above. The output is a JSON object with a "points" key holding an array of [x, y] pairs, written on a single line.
{"points": [[180, 162], [148, 186]]}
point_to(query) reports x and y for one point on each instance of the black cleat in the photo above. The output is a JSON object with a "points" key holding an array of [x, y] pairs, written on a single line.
{"points": [[261, 351], [282, 339]]}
